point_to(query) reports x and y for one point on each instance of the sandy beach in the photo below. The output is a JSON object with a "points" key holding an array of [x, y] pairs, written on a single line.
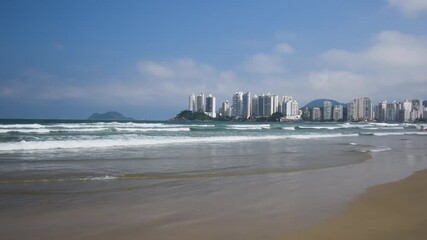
{"points": [[394, 210]]}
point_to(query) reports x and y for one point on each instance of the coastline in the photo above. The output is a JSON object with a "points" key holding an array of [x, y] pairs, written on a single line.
{"points": [[393, 210]]}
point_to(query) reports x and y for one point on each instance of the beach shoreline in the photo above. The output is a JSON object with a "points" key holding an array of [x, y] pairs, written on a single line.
{"points": [[394, 210]]}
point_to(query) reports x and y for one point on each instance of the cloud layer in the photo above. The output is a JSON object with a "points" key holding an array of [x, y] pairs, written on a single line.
{"points": [[393, 66], [410, 7]]}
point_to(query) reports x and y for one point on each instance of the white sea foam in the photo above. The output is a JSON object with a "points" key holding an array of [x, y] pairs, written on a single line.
{"points": [[355, 125], [288, 128], [349, 125], [415, 133], [170, 129], [148, 141], [98, 178], [385, 124], [388, 133], [320, 127], [198, 125], [50, 180], [248, 126], [16, 126], [375, 149], [392, 128], [316, 136], [21, 130], [81, 130], [96, 127]]}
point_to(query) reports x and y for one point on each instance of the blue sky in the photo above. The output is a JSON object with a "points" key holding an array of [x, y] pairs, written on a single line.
{"points": [[68, 59]]}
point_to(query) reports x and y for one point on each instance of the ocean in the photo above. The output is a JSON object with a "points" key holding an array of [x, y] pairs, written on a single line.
{"points": [[211, 180]]}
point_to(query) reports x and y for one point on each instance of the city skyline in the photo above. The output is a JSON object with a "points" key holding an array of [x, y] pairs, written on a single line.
{"points": [[69, 59], [361, 109]]}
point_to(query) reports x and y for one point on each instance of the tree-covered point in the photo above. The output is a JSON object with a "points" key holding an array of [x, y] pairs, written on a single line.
{"points": [[276, 117], [188, 115], [273, 118]]}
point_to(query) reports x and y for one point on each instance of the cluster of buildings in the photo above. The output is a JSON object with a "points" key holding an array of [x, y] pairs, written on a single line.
{"points": [[362, 110], [405, 111], [244, 106], [200, 103], [327, 113]]}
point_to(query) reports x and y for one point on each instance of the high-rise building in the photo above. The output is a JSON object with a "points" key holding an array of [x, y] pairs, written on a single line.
{"points": [[246, 105], [316, 114], [275, 104], [338, 113], [236, 108], [306, 115], [254, 106], [226, 109], [350, 110], [200, 102], [290, 108], [192, 102], [211, 106], [261, 105], [287, 98], [405, 111], [327, 110], [416, 104], [391, 112], [361, 109], [417, 110], [382, 111], [268, 105]]}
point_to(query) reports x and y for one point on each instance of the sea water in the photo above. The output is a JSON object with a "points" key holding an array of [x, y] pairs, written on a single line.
{"points": [[186, 178]]}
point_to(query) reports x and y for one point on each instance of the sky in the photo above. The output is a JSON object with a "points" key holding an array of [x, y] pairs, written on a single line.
{"points": [[68, 59]]}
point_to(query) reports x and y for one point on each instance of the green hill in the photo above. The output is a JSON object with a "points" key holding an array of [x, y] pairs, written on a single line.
{"points": [[187, 115], [319, 103]]}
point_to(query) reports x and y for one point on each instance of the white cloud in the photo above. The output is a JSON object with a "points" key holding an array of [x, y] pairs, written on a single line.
{"points": [[337, 84], [392, 52], [284, 48], [409, 7], [395, 65], [267, 63], [188, 76], [391, 49], [154, 69], [263, 63]]}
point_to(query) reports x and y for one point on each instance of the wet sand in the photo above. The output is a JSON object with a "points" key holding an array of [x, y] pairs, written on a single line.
{"points": [[390, 211]]}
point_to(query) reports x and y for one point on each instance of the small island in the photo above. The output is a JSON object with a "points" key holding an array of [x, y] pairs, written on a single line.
{"points": [[115, 116]]}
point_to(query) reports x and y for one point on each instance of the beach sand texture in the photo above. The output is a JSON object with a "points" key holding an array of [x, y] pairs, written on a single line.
{"points": [[396, 210]]}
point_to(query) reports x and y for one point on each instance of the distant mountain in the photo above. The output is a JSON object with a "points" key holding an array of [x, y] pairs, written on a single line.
{"points": [[109, 116], [319, 103]]}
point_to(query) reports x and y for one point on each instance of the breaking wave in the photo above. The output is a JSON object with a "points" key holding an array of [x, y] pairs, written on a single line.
{"points": [[248, 126], [148, 141]]}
